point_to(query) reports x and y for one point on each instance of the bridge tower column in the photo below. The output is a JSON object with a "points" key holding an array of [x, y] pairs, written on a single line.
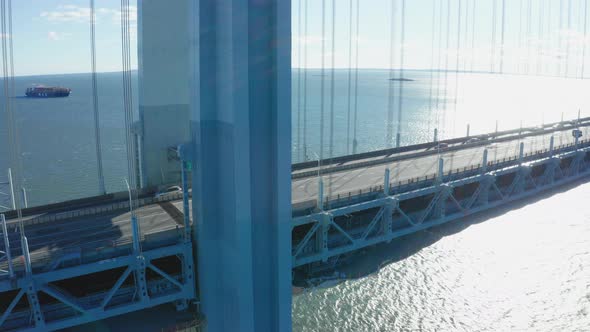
{"points": [[163, 70], [241, 136]]}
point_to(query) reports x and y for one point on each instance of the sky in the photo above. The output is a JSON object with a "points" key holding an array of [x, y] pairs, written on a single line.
{"points": [[530, 45], [52, 36]]}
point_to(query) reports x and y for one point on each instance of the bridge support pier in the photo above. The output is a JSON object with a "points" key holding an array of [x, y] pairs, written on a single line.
{"points": [[241, 135]]}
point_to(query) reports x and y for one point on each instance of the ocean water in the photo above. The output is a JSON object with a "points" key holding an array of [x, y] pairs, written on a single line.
{"points": [[526, 268], [56, 136], [523, 268]]}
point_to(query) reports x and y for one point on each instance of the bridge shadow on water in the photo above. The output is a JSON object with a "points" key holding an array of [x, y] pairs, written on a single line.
{"points": [[372, 259]]}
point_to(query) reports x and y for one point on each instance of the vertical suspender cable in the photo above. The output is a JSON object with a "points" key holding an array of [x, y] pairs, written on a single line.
{"points": [[579, 29], [128, 103], [322, 82], [547, 46], [493, 45], [390, 79], [529, 36], [305, 155], [400, 96], [584, 40], [430, 104], [438, 65], [101, 184], [457, 65], [8, 85], [356, 80], [473, 35], [466, 33], [568, 41], [332, 87], [559, 33], [502, 30], [299, 38], [519, 59], [540, 40], [446, 70], [349, 87]]}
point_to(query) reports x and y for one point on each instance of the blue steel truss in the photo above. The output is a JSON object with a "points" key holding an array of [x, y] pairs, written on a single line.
{"points": [[385, 216], [140, 284], [131, 292]]}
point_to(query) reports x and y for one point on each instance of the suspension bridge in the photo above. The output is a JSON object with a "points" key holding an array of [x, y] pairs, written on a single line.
{"points": [[248, 219]]}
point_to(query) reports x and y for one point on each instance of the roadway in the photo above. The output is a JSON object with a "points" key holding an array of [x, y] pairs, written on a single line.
{"points": [[65, 238], [345, 181]]}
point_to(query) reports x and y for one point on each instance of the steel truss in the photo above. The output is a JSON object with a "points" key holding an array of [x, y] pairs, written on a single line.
{"points": [[132, 291], [346, 229]]}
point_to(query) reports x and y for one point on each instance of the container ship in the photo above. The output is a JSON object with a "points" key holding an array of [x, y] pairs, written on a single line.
{"points": [[47, 92]]}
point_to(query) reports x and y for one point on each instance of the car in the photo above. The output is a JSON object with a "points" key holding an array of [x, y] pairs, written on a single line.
{"points": [[168, 191], [557, 125], [443, 145]]}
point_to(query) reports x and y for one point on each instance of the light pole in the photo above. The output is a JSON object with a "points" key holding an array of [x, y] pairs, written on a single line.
{"points": [[319, 164], [134, 224], [320, 202]]}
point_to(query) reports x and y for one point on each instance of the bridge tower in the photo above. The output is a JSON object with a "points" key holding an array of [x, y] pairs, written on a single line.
{"points": [[241, 120], [237, 109]]}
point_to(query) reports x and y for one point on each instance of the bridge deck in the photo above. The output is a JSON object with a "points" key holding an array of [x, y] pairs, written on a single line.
{"points": [[94, 237], [417, 165], [97, 236]]}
